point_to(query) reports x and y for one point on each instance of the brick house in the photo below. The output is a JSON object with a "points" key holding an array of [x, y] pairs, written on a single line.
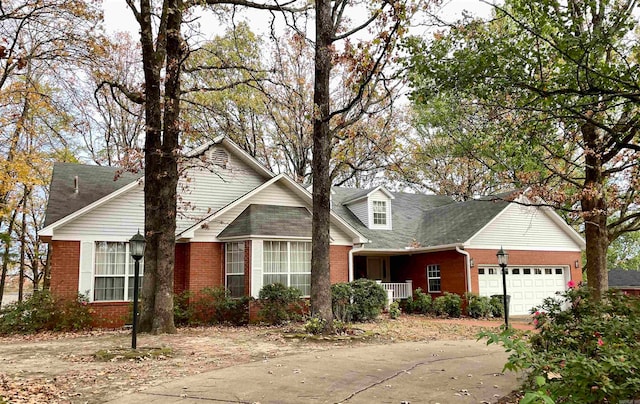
{"points": [[241, 226]]}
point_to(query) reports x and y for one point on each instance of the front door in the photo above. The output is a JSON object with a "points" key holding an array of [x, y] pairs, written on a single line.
{"points": [[376, 268]]}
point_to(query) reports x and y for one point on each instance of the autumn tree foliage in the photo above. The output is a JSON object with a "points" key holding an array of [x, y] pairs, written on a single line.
{"points": [[553, 89], [41, 44]]}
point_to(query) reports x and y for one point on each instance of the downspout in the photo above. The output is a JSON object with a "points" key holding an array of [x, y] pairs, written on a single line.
{"points": [[351, 264], [467, 264]]}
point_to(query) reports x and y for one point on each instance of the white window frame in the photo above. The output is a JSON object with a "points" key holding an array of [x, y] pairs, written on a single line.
{"points": [[379, 208], [288, 269], [232, 251], [430, 268], [128, 275]]}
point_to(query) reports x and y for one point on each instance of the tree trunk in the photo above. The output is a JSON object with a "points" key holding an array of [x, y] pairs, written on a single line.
{"points": [[594, 207], [23, 245], [320, 276], [6, 254], [161, 170], [46, 276]]}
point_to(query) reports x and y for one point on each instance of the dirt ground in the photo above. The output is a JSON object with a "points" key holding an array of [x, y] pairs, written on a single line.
{"points": [[61, 368]]}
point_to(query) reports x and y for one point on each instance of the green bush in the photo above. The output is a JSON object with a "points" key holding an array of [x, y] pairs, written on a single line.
{"points": [[360, 300], [280, 303], [419, 302], [341, 301], [41, 312], [394, 310], [315, 325], [449, 304], [497, 306], [584, 351], [478, 306], [182, 310]]}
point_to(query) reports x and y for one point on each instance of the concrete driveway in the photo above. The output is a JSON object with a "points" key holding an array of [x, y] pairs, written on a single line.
{"points": [[413, 372]]}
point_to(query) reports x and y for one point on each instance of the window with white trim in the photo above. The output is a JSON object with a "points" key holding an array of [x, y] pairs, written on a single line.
{"points": [[288, 263], [379, 213], [433, 277], [234, 268], [114, 272]]}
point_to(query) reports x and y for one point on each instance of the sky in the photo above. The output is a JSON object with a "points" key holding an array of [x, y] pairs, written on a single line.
{"points": [[118, 17]]}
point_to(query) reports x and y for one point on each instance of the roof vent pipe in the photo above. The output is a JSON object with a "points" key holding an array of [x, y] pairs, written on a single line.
{"points": [[75, 184]]}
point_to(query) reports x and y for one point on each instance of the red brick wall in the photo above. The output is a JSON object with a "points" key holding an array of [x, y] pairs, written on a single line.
{"points": [[65, 268], [339, 263], [452, 271], [526, 257], [112, 314], [205, 266]]}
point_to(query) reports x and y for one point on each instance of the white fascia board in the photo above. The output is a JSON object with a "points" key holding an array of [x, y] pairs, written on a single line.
{"points": [[366, 196], [407, 251], [48, 231]]}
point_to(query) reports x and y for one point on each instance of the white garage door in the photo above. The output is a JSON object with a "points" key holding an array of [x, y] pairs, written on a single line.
{"points": [[527, 286]]}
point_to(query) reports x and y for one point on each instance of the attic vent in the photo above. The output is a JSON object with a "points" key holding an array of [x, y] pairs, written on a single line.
{"points": [[76, 184], [218, 157]]}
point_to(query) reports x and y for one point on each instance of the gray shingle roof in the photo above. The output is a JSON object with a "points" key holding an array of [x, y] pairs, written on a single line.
{"points": [[270, 220], [94, 182], [620, 278], [429, 220]]}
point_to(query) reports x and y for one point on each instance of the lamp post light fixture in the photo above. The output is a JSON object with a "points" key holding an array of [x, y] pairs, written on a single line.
{"points": [[136, 249], [503, 260]]}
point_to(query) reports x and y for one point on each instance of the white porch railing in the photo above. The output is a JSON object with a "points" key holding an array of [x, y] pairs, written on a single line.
{"points": [[398, 290]]}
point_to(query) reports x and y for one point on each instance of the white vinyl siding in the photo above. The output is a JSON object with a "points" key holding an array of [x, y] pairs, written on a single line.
{"points": [[275, 194], [206, 190], [433, 278], [288, 263], [361, 210], [119, 218], [113, 272], [526, 228], [234, 268]]}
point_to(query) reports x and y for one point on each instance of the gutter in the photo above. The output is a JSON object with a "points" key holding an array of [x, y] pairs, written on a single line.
{"points": [[467, 264]]}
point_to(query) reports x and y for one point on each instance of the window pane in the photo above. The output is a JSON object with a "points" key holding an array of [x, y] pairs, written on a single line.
{"points": [[235, 285], [379, 212], [234, 261], [110, 258], [130, 287], [434, 285], [275, 278], [275, 256], [111, 288], [302, 283], [300, 257]]}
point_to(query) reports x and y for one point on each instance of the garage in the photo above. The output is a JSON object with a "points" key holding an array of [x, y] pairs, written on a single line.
{"points": [[528, 286]]}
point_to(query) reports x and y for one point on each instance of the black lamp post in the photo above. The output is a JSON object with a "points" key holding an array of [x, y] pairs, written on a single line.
{"points": [[503, 260], [136, 248]]}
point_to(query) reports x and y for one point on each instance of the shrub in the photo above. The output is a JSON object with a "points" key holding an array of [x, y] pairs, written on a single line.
{"points": [[585, 350], [280, 303], [478, 306], [394, 310], [497, 306], [369, 298], [182, 310], [449, 304], [214, 306], [419, 302], [41, 312], [360, 300], [341, 301], [315, 325]]}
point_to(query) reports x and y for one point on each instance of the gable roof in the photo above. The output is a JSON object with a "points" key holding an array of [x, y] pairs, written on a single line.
{"points": [[620, 278], [94, 183], [270, 220]]}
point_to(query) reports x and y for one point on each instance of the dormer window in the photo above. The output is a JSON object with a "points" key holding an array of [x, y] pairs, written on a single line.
{"points": [[380, 213]]}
